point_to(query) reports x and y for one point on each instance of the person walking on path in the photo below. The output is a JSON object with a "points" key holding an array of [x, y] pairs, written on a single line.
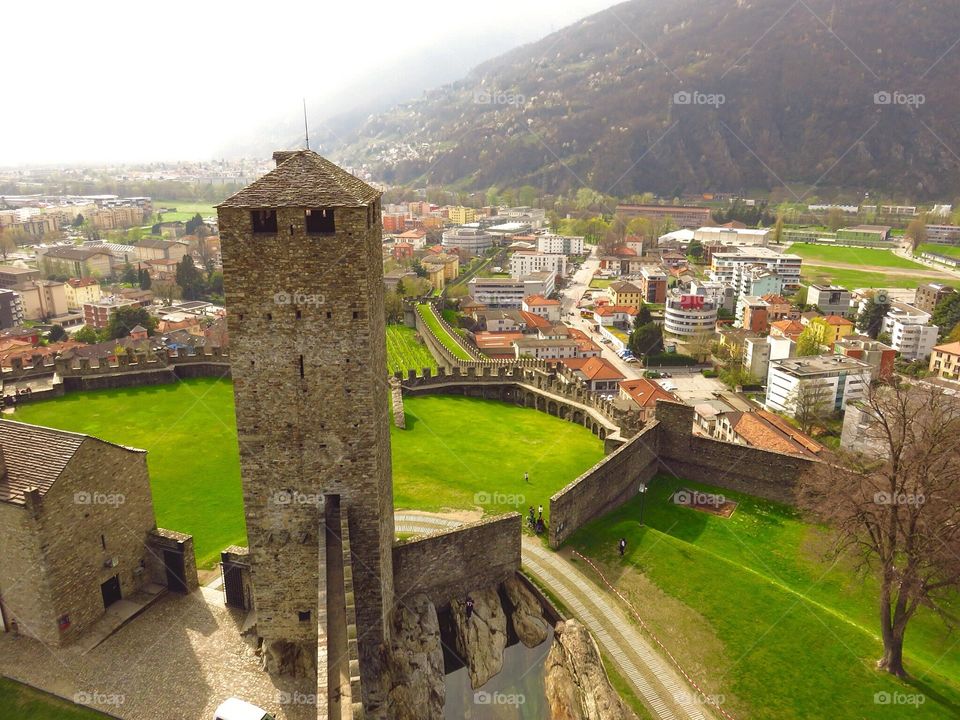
{"points": [[540, 510], [622, 546], [526, 477], [469, 608]]}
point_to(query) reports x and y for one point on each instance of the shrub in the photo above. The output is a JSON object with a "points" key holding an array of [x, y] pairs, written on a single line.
{"points": [[669, 359]]}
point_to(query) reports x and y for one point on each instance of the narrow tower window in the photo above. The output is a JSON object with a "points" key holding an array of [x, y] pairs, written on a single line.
{"points": [[301, 366], [320, 221]]}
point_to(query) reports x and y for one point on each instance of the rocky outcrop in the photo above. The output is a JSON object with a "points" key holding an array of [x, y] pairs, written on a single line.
{"points": [[415, 665], [526, 614], [481, 639], [576, 683]]}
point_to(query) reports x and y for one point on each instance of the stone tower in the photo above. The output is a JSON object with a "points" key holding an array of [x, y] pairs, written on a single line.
{"points": [[303, 278]]}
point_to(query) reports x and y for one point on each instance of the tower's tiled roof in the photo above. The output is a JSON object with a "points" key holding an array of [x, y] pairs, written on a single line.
{"points": [[305, 180]]}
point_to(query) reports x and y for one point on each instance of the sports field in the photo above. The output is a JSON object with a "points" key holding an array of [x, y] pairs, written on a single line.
{"points": [[754, 608]]}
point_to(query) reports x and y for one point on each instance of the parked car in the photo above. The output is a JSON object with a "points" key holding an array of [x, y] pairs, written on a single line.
{"points": [[236, 709], [631, 359]]}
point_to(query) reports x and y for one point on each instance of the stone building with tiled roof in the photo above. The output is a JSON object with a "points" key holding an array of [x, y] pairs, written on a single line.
{"points": [[75, 518], [765, 430]]}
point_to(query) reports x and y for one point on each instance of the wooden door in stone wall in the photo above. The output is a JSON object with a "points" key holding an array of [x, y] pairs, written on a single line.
{"points": [[176, 575], [110, 591]]}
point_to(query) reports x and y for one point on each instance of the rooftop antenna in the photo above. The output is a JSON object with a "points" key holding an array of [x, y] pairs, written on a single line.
{"points": [[306, 130]]}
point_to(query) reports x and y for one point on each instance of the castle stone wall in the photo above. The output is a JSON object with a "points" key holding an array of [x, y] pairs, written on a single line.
{"points": [[605, 486], [450, 564]]}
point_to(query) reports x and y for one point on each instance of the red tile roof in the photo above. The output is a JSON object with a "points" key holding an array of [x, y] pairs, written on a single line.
{"points": [[765, 430], [539, 300], [646, 393], [949, 348], [594, 368], [606, 310]]}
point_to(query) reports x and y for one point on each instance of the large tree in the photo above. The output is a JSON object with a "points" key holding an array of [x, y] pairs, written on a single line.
{"points": [[810, 404], [646, 340], [946, 315], [897, 511], [870, 319], [916, 233], [125, 319]]}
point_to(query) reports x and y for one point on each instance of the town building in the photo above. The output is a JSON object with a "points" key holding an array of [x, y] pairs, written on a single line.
{"points": [[910, 333], [43, 299], [831, 328], [683, 216], [615, 316], [723, 294], [80, 291], [626, 293], [825, 382], [653, 285], [11, 276], [76, 517], [545, 348], [945, 361], [932, 294], [97, 314], [752, 314], [759, 351], [726, 267], [472, 240], [791, 329], [865, 234], [75, 261], [687, 315], [643, 394], [507, 292], [560, 244], [763, 429], [152, 249], [720, 236], [11, 309], [460, 215], [544, 307], [830, 299], [524, 262], [878, 355], [943, 234], [599, 375]]}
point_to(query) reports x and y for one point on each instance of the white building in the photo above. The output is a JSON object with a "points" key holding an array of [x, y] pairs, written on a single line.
{"points": [[560, 244], [726, 266], [507, 292], [524, 262], [829, 380], [723, 294], [731, 236], [471, 239], [911, 335], [689, 314], [758, 280], [758, 352]]}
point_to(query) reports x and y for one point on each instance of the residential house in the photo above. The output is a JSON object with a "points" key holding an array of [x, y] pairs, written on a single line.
{"points": [[497, 345], [932, 294], [43, 299], [153, 249], [545, 349], [653, 284], [791, 329], [415, 237], [626, 294], [910, 333], [80, 291], [945, 361], [615, 316], [830, 299], [402, 251], [599, 374], [97, 314], [767, 431], [544, 307], [643, 394], [831, 328], [11, 276]]}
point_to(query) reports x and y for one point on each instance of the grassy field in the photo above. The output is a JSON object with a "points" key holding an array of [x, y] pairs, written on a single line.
{"points": [[460, 453], [861, 278], [863, 257], [600, 283], [749, 606], [948, 250], [453, 449], [24, 702], [185, 210], [406, 352], [448, 341]]}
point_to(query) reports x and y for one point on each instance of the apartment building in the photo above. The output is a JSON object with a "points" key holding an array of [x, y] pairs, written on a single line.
{"points": [[930, 295], [830, 299], [11, 309], [508, 292], [524, 262], [684, 216], [727, 267], [945, 360], [687, 315], [829, 381], [560, 244]]}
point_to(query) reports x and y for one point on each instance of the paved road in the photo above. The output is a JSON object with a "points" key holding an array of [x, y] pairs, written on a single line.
{"points": [[572, 296], [905, 253], [663, 690]]}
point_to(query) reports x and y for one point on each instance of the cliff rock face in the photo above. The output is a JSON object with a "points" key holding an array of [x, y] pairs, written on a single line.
{"points": [[525, 613], [481, 639], [576, 683], [415, 666]]}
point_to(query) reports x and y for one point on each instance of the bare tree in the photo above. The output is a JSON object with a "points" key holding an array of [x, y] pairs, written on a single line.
{"points": [[898, 511], [810, 403]]}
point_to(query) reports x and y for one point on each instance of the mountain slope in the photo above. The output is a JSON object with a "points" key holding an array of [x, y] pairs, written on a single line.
{"points": [[697, 95]]}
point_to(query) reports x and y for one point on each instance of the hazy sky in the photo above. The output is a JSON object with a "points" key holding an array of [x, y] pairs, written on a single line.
{"points": [[129, 81]]}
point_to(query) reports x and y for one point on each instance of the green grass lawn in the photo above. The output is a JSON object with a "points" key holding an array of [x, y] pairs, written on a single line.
{"points": [[750, 606], [24, 702], [452, 449], [185, 210], [406, 352], [864, 257], [600, 283], [445, 337], [948, 250], [862, 279], [460, 453]]}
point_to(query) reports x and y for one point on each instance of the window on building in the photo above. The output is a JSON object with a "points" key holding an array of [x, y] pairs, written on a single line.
{"points": [[320, 221], [264, 221], [304, 615]]}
